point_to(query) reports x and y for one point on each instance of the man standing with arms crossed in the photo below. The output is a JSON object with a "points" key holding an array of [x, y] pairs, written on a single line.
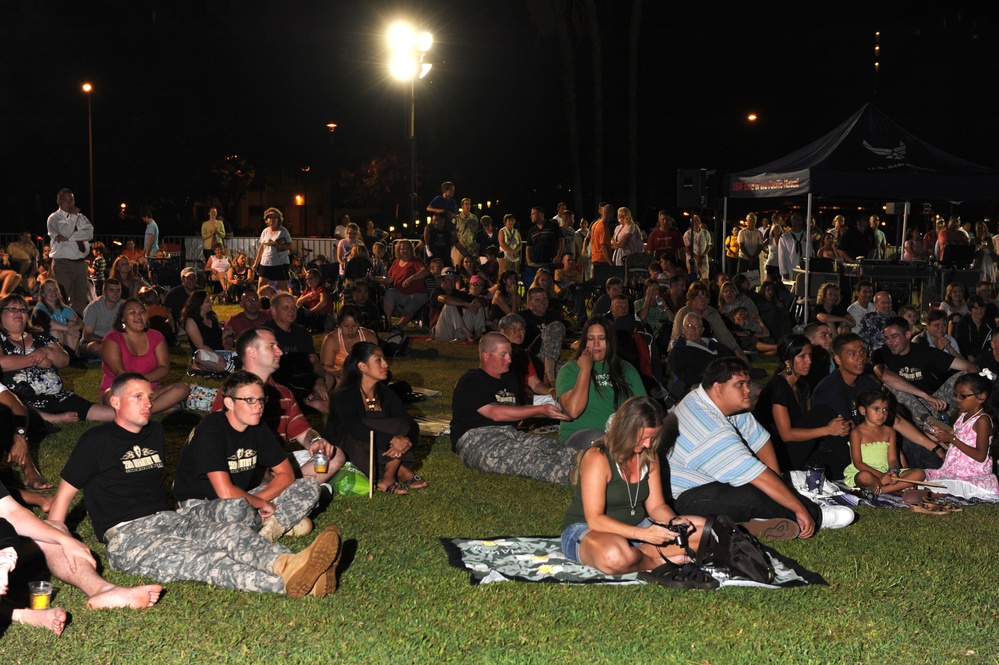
{"points": [[70, 233]]}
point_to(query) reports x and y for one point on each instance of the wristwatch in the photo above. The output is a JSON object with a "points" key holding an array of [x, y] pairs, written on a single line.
{"points": [[21, 431]]}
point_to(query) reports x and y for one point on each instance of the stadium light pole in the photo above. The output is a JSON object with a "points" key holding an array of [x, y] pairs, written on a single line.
{"points": [[408, 63], [87, 88]]}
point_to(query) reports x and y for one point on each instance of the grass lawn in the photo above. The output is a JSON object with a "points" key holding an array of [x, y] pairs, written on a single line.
{"points": [[903, 587]]}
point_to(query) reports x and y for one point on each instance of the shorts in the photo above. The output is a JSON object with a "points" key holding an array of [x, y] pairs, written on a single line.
{"points": [[277, 273], [573, 534]]}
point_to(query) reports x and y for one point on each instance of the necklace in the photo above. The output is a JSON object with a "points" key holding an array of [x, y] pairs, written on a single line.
{"points": [[370, 402], [627, 486]]}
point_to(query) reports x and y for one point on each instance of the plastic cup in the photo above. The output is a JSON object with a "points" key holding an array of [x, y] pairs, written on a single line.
{"points": [[320, 462], [41, 595]]}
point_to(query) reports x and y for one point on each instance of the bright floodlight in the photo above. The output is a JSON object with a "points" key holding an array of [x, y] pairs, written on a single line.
{"points": [[87, 87], [425, 68], [403, 67], [424, 41], [751, 117], [401, 37]]}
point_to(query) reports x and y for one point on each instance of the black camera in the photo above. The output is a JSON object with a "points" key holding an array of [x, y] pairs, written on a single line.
{"points": [[24, 390], [681, 529]]}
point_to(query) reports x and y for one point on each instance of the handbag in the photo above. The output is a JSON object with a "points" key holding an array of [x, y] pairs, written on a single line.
{"points": [[725, 544]]}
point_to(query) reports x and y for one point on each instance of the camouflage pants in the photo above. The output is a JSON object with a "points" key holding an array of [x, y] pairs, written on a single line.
{"points": [[549, 344], [290, 506], [917, 408], [511, 452], [209, 543]]}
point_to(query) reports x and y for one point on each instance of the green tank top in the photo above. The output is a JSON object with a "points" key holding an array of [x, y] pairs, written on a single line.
{"points": [[618, 504]]}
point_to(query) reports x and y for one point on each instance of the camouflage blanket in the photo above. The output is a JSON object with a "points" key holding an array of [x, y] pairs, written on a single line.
{"points": [[540, 559]]}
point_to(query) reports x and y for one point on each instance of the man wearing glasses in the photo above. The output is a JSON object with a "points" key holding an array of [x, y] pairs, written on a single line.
{"points": [[221, 457]]}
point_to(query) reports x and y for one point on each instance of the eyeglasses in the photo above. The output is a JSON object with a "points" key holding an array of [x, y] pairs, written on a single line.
{"points": [[252, 400], [960, 396], [15, 310], [692, 325]]}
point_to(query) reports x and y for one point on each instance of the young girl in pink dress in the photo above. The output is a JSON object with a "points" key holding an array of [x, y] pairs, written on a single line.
{"points": [[969, 457]]}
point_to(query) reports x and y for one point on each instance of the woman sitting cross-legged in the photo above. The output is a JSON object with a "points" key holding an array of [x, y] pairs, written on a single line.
{"points": [[30, 361], [609, 524], [362, 404], [132, 346]]}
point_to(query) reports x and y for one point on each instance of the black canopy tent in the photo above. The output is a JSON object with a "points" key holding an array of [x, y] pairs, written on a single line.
{"points": [[868, 156]]}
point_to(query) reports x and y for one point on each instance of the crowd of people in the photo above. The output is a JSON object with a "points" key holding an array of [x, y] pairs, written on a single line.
{"points": [[631, 346]]}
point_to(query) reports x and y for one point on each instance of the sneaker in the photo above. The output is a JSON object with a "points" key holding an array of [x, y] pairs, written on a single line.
{"points": [[836, 517], [777, 528]]}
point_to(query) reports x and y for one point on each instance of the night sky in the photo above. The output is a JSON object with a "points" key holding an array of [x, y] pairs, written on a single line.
{"points": [[180, 85]]}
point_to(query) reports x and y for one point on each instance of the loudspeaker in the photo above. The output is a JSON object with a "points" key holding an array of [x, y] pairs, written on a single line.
{"points": [[691, 188]]}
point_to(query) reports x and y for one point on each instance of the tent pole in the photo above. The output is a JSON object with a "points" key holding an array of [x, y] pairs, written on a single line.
{"points": [[724, 235], [905, 224], [808, 253]]}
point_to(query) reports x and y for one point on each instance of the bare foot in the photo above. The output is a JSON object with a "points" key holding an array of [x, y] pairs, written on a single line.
{"points": [[53, 619], [138, 597], [68, 417], [43, 501]]}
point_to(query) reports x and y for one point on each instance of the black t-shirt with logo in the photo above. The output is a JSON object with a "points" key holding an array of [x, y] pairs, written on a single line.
{"points": [[924, 367], [216, 446], [120, 473], [475, 390]]}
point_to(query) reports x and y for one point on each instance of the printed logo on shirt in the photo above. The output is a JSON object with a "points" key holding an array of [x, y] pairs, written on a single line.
{"points": [[244, 459], [603, 380], [506, 397], [911, 374], [141, 459]]}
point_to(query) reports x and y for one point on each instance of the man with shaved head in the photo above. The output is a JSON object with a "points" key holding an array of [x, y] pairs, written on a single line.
{"points": [[485, 411]]}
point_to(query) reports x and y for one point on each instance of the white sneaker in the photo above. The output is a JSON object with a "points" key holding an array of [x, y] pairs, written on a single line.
{"points": [[836, 517]]}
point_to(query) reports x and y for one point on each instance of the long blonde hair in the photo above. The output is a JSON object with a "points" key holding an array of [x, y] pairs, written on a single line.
{"points": [[632, 416]]}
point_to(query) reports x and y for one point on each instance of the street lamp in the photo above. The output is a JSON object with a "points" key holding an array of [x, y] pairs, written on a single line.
{"points": [[409, 51], [87, 88]]}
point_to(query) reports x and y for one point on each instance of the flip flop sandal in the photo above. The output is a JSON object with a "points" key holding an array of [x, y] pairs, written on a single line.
{"points": [[687, 576], [929, 508], [417, 482], [394, 488]]}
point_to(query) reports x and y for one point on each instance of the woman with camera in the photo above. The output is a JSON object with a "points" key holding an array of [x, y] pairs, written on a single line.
{"points": [[618, 521]]}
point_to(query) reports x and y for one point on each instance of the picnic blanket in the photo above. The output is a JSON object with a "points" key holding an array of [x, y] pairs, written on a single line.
{"points": [[837, 493], [540, 559]]}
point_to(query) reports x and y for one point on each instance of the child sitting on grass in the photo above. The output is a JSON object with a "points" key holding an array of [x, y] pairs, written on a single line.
{"points": [[875, 465], [968, 457]]}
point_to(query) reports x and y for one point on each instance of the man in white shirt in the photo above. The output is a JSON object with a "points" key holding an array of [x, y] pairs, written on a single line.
{"points": [[863, 305], [697, 242], [70, 233], [792, 247], [750, 245]]}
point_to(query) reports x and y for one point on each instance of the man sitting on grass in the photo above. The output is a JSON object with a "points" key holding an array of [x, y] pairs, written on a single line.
{"points": [[724, 462], [119, 467], [261, 356], [222, 455], [485, 414], [301, 370]]}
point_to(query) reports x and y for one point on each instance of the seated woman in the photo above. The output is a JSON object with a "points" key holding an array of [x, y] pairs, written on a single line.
{"points": [[240, 278], [132, 346], [10, 278], [613, 530], [55, 317], [507, 299], [363, 404], [785, 408], [831, 311], [338, 344], [594, 384], [217, 267], [738, 323], [204, 333], [31, 361], [974, 330], [315, 305], [126, 272]]}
